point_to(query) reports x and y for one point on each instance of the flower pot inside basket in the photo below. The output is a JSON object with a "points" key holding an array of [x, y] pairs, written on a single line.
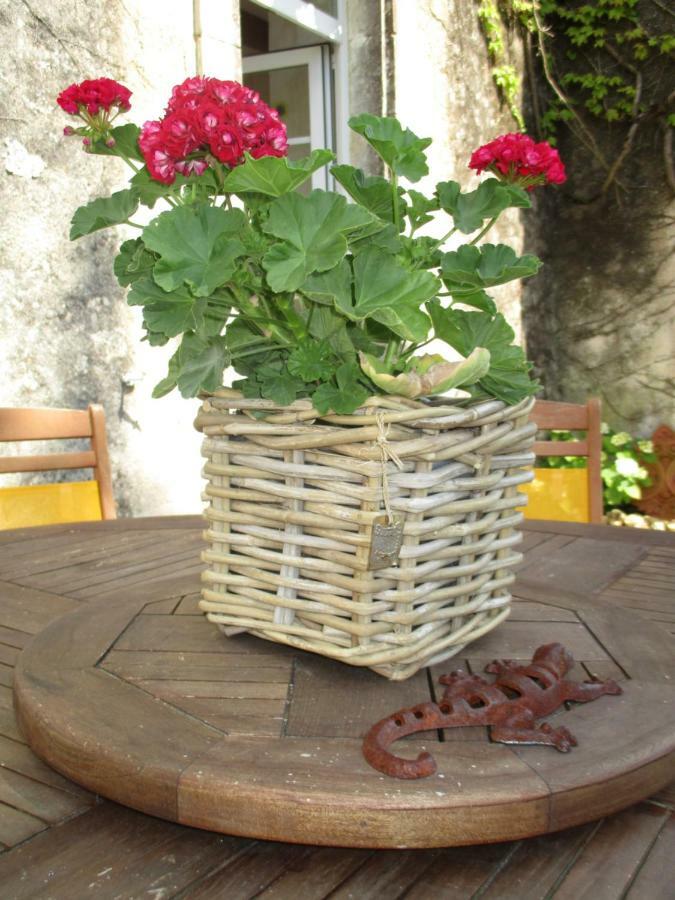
{"points": [[295, 501]]}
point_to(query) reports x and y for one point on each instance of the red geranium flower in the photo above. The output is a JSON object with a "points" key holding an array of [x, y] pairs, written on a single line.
{"points": [[206, 120], [93, 96], [516, 158]]}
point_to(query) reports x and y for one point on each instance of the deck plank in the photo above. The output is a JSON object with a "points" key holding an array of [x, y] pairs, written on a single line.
{"points": [[654, 881], [110, 851], [612, 858]]}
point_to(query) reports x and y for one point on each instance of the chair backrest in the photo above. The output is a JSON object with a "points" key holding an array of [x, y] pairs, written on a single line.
{"points": [[37, 424], [550, 415]]}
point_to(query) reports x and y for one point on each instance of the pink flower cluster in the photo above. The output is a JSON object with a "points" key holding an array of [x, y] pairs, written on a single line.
{"points": [[518, 159], [206, 118], [93, 96]]}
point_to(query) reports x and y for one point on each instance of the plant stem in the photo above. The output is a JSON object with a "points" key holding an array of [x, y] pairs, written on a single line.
{"points": [[394, 199], [126, 159], [415, 347], [390, 352], [134, 224], [444, 239], [484, 231]]}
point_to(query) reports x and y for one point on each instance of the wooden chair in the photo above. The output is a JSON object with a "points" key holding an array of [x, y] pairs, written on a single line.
{"points": [[573, 495], [56, 502]]}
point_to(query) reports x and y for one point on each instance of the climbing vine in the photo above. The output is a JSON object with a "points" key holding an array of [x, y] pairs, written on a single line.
{"points": [[606, 64]]}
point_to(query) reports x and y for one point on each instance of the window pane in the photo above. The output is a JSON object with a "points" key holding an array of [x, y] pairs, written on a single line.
{"points": [[286, 90], [327, 6]]}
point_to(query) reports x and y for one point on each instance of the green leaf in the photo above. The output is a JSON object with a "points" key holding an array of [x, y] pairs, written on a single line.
{"points": [[167, 313], [420, 207], [272, 175], [387, 239], [508, 378], [345, 396], [133, 262], [331, 287], [313, 233], [371, 191], [470, 269], [166, 385], [279, 386], [150, 191], [390, 294], [312, 362], [419, 252], [400, 149], [239, 337], [202, 363], [326, 325], [426, 375], [197, 245], [103, 212], [470, 210], [479, 300], [126, 143]]}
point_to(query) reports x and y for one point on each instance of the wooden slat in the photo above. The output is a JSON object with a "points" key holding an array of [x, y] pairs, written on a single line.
{"points": [[250, 872], [386, 874], [314, 875], [117, 564], [12, 637], [655, 881], [18, 758], [17, 826], [583, 565], [611, 860], [460, 872], [31, 610], [561, 448], [536, 865], [102, 470], [40, 800], [31, 558], [330, 699], [220, 666], [551, 414], [43, 424], [111, 852], [9, 727], [635, 536], [46, 462]]}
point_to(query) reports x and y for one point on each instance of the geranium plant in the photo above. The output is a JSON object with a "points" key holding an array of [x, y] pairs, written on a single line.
{"points": [[308, 294]]}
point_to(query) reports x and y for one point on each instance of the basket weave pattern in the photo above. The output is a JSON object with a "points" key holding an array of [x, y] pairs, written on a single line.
{"points": [[292, 501]]}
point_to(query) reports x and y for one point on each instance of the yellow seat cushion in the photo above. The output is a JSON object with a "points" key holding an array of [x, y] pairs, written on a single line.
{"points": [[49, 504], [560, 494]]}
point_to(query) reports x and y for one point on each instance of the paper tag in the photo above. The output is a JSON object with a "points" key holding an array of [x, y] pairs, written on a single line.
{"points": [[385, 543]]}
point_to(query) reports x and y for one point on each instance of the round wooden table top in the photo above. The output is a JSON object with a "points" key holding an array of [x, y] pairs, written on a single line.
{"points": [[139, 698]]}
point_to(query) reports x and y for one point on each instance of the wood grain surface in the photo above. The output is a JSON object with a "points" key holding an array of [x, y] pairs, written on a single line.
{"points": [[60, 841]]}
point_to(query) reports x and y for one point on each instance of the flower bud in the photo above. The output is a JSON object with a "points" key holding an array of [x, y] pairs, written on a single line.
{"points": [[68, 131], [87, 142], [110, 142]]}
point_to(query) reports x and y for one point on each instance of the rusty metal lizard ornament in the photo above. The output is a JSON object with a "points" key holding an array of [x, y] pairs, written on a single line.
{"points": [[510, 705]]}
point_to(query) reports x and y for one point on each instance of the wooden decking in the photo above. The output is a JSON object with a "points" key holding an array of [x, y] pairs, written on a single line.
{"points": [[59, 841]]}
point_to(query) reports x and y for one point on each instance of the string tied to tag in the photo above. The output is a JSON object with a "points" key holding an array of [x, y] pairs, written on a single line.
{"points": [[388, 453]]}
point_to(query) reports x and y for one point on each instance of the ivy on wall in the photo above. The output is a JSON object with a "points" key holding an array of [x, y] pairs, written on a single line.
{"points": [[591, 66]]}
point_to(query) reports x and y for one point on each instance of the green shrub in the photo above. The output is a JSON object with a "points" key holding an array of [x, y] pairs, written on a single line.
{"points": [[623, 465]]}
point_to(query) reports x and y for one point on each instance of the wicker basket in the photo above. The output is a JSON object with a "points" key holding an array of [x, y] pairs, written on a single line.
{"points": [[294, 502]]}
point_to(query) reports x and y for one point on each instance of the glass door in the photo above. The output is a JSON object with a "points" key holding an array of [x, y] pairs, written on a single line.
{"points": [[297, 83]]}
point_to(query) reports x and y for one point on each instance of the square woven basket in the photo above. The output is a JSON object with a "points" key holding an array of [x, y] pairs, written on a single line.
{"points": [[294, 500]]}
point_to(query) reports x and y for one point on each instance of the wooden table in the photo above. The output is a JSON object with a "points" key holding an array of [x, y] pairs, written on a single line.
{"points": [[60, 841]]}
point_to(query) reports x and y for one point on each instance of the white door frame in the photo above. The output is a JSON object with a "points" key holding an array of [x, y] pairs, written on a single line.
{"points": [[312, 57], [333, 31]]}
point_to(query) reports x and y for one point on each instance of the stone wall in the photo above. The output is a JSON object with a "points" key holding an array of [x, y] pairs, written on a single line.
{"points": [[600, 318], [67, 337], [444, 90]]}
